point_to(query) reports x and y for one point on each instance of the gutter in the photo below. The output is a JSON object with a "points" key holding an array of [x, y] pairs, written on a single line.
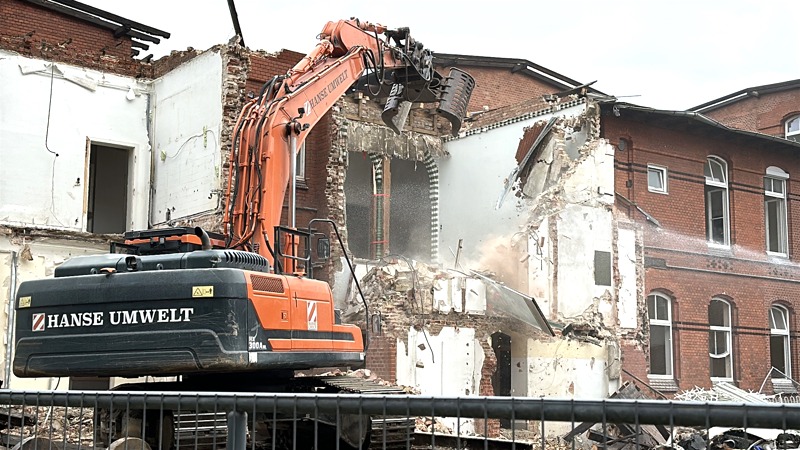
{"points": [[705, 120]]}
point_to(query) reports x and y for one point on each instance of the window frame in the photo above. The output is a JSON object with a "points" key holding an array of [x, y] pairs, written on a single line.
{"points": [[664, 178], [727, 329], [300, 164], [785, 334], [714, 184], [780, 197], [791, 135], [669, 356]]}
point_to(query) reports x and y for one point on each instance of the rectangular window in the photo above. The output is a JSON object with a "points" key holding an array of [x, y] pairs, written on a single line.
{"points": [[659, 313], [717, 215], [657, 179], [719, 340], [775, 216], [780, 356], [602, 268], [300, 162]]}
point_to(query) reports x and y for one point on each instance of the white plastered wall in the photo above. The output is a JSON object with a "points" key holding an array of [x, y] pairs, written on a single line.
{"points": [[48, 110], [23, 259], [41, 190], [445, 364], [628, 289], [187, 118], [475, 170], [569, 369]]}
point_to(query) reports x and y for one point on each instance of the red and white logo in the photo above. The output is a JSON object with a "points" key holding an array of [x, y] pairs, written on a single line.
{"points": [[311, 314], [38, 321]]}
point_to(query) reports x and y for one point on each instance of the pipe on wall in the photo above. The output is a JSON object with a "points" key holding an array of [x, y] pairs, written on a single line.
{"points": [[12, 293]]}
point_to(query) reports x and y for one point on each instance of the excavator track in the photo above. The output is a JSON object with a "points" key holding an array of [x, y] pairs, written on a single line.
{"points": [[387, 432]]}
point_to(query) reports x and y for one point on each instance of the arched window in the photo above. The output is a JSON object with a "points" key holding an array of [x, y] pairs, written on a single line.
{"points": [[775, 223], [720, 340], [780, 356], [792, 131], [717, 220], [659, 310]]}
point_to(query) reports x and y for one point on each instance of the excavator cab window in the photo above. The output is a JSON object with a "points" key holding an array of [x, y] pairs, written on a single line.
{"points": [[323, 247]]}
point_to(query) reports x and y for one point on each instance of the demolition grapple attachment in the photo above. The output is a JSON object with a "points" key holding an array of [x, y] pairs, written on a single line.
{"points": [[452, 93]]}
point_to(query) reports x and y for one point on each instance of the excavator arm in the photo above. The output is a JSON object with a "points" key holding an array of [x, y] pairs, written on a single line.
{"points": [[272, 127]]}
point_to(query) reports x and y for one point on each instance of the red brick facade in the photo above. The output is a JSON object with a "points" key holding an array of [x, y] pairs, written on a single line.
{"points": [[765, 113], [500, 87], [38, 32], [679, 261]]}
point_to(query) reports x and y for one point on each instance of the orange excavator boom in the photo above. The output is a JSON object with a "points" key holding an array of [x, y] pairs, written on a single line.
{"points": [[351, 54]]}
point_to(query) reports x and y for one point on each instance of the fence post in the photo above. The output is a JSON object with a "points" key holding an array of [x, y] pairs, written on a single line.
{"points": [[237, 430]]}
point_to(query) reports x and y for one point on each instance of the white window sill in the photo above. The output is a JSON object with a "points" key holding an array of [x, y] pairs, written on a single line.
{"points": [[778, 255]]}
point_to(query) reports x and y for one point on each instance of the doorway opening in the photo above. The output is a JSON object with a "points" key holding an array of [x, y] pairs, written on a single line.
{"points": [[107, 199]]}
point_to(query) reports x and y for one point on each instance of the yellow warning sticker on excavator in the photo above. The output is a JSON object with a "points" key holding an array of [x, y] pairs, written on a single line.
{"points": [[25, 302], [202, 291]]}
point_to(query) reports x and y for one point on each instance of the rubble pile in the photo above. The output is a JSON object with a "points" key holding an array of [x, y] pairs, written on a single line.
{"points": [[60, 424], [432, 425], [366, 374], [398, 284]]}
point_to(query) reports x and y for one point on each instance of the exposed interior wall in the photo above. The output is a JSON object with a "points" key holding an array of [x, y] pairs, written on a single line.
{"points": [[187, 120], [33, 256], [569, 368], [475, 168], [576, 261], [445, 364], [51, 115], [630, 266], [448, 363]]}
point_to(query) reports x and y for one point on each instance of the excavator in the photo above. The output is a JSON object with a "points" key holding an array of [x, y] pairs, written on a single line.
{"points": [[239, 309]]}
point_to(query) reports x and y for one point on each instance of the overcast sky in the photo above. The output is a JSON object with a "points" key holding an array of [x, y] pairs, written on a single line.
{"points": [[668, 54]]}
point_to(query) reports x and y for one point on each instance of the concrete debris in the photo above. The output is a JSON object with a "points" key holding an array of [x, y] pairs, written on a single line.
{"points": [[68, 425], [587, 327], [366, 374], [733, 438], [620, 435], [432, 425], [394, 285]]}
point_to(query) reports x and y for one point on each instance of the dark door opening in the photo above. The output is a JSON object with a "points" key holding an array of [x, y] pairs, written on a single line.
{"points": [[501, 380], [107, 206]]}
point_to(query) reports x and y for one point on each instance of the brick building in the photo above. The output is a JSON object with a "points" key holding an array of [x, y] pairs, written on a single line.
{"points": [[714, 206], [667, 232], [771, 109]]}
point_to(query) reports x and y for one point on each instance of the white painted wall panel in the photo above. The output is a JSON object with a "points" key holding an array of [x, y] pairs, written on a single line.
{"points": [[36, 187], [448, 363], [45, 254], [627, 300], [187, 117], [567, 369], [470, 183], [581, 231]]}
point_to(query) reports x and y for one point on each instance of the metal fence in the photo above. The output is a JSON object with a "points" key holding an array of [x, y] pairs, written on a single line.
{"points": [[75, 420]]}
